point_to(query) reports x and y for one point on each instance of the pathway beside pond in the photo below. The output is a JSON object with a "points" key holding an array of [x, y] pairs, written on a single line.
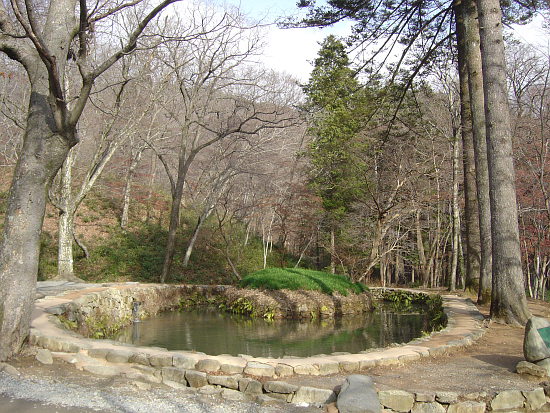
{"points": [[460, 359]]}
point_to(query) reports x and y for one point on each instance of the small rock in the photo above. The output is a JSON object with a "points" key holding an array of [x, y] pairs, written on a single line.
{"points": [[230, 382], [98, 353], [56, 310], [467, 407], [208, 365], [233, 395], [425, 397], [231, 369], [44, 356], [313, 395], [175, 385], [196, 379], [250, 387], [9, 369], [255, 368], [186, 363], [358, 395], [350, 366], [283, 370], [306, 369], [173, 374], [119, 356], [209, 390], [160, 360], [280, 387], [433, 407], [472, 396], [397, 400], [525, 367], [101, 370], [446, 397], [142, 386], [508, 400], [140, 358], [264, 399], [333, 368], [535, 399]]}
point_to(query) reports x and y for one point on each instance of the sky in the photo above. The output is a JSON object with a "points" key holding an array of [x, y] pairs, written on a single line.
{"points": [[289, 50], [293, 50]]}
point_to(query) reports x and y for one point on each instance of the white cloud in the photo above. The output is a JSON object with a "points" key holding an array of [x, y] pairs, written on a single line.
{"points": [[288, 50]]}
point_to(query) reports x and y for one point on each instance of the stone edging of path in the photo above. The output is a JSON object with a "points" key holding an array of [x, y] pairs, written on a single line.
{"points": [[235, 377]]}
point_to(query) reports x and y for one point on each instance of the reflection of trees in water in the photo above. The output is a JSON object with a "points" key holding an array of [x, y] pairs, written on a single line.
{"points": [[209, 331], [398, 328]]}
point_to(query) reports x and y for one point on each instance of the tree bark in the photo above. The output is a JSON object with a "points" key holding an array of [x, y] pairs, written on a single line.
{"points": [[508, 300], [456, 215], [134, 161], [332, 247], [473, 247], [477, 110], [65, 225], [49, 135], [42, 154], [177, 195], [207, 210]]}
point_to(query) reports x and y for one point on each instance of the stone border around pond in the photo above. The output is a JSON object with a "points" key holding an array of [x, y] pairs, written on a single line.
{"points": [[235, 377]]}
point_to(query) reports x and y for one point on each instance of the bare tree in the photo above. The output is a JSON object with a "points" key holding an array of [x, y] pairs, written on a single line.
{"points": [[14, 94], [220, 95], [43, 40], [529, 78]]}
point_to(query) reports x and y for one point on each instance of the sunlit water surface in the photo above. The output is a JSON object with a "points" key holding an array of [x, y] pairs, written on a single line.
{"points": [[213, 332]]}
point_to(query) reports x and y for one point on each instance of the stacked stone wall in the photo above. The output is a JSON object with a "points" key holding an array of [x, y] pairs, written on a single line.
{"points": [[113, 307], [97, 313], [249, 378]]}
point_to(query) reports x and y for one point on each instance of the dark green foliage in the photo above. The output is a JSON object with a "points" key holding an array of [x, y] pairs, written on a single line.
{"points": [[404, 299], [338, 106], [47, 265], [436, 313], [136, 255], [300, 279]]}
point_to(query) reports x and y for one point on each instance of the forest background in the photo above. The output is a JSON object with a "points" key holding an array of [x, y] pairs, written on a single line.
{"points": [[197, 164]]}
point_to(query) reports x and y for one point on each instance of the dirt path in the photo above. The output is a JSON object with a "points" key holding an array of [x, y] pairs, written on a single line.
{"points": [[488, 365]]}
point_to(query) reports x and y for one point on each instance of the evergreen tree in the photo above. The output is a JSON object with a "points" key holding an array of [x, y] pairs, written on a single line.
{"points": [[336, 102]]}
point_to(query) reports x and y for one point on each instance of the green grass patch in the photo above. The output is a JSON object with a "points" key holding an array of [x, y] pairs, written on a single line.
{"points": [[301, 279]]}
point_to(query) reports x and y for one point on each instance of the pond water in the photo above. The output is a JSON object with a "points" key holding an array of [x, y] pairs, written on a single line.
{"points": [[213, 332]]}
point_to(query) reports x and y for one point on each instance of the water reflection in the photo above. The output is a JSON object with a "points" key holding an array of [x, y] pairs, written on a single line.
{"points": [[209, 331]]}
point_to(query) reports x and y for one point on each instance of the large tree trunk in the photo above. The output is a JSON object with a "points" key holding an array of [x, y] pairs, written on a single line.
{"points": [[42, 154], [473, 247], [508, 300], [475, 86], [50, 133], [456, 215], [177, 195]]}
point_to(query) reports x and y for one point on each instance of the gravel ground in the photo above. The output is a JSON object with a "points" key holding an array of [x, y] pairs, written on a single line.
{"points": [[26, 394]]}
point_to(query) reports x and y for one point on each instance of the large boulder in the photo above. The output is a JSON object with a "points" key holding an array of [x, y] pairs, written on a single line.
{"points": [[358, 395], [534, 347]]}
